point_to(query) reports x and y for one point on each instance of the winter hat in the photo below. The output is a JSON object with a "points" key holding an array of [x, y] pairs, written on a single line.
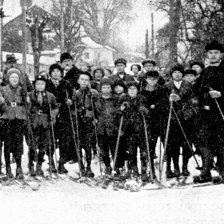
{"points": [[190, 71], [120, 61], [132, 83], [153, 74], [65, 56], [119, 82], [192, 63], [55, 66], [148, 61], [86, 73], [10, 58], [106, 81], [40, 77], [13, 71], [214, 45], [177, 67]]}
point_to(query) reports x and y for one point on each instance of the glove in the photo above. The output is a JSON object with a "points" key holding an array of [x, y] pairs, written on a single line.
{"points": [[215, 94], [174, 97], [69, 102], [2, 100], [143, 110], [124, 106]]}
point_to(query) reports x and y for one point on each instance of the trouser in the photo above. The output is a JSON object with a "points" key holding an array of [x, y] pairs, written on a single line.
{"points": [[107, 145], [42, 141], [14, 141]]}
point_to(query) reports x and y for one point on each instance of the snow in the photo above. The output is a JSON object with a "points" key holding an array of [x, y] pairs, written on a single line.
{"points": [[65, 201]]}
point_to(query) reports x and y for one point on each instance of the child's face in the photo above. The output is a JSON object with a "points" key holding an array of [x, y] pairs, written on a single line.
{"points": [[177, 76], [98, 75], [135, 70], [40, 85], [197, 68], [84, 81], [189, 78], [118, 89], [148, 67], [56, 74], [152, 81], [132, 91], [14, 79], [106, 89]]}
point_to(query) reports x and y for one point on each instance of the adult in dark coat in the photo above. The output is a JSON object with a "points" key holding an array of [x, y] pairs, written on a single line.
{"points": [[120, 65], [71, 72], [211, 141]]}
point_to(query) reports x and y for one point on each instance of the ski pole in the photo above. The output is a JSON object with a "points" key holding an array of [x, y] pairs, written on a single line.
{"points": [[117, 143], [96, 137], [147, 147], [185, 136], [53, 139], [73, 132], [166, 139]]}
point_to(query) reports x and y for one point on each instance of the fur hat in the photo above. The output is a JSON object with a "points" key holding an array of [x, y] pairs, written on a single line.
{"points": [[177, 67], [65, 56], [148, 61], [40, 77], [119, 82], [214, 45], [106, 81], [190, 71], [55, 66], [10, 58], [153, 74], [132, 83], [120, 61], [86, 73], [192, 63]]}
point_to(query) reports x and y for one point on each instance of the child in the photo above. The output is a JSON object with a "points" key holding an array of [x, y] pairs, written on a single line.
{"points": [[98, 75], [155, 100], [180, 93], [43, 110], [14, 117], [133, 107], [119, 88], [107, 125], [85, 99], [62, 90]]}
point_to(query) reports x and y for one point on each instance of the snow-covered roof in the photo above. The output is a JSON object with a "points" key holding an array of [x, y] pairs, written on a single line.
{"points": [[44, 60]]}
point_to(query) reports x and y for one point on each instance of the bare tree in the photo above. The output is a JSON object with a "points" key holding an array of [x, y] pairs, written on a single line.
{"points": [[72, 26], [101, 17]]}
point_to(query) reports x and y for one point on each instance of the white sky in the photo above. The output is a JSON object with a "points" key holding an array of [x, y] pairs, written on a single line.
{"points": [[133, 35]]}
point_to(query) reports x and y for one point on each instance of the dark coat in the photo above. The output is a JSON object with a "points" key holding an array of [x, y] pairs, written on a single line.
{"points": [[107, 110], [14, 106], [127, 78], [133, 120], [72, 76], [62, 92], [40, 114]]}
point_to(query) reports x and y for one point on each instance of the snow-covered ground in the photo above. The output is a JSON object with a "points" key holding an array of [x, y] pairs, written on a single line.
{"points": [[68, 202]]}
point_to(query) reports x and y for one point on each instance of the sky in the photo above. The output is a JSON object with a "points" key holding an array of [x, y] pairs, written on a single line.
{"points": [[134, 35]]}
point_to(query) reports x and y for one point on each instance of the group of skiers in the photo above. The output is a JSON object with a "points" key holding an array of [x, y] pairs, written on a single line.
{"points": [[114, 115]]}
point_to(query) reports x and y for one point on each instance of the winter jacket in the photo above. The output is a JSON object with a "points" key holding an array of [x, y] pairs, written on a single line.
{"points": [[14, 106], [107, 115], [40, 114], [72, 76]]}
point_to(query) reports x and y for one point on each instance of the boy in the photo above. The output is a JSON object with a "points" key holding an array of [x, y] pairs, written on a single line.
{"points": [[180, 93], [132, 105], [155, 103], [62, 90], [41, 116], [85, 99], [107, 125]]}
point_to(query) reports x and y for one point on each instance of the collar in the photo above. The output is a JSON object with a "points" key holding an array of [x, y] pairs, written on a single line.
{"points": [[177, 84]]}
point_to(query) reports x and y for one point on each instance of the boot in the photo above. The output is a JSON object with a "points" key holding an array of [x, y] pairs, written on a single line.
{"points": [[89, 172], [19, 173], [62, 169], [176, 173], [108, 170], [9, 174], [31, 170], [39, 171], [201, 179], [169, 174]]}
